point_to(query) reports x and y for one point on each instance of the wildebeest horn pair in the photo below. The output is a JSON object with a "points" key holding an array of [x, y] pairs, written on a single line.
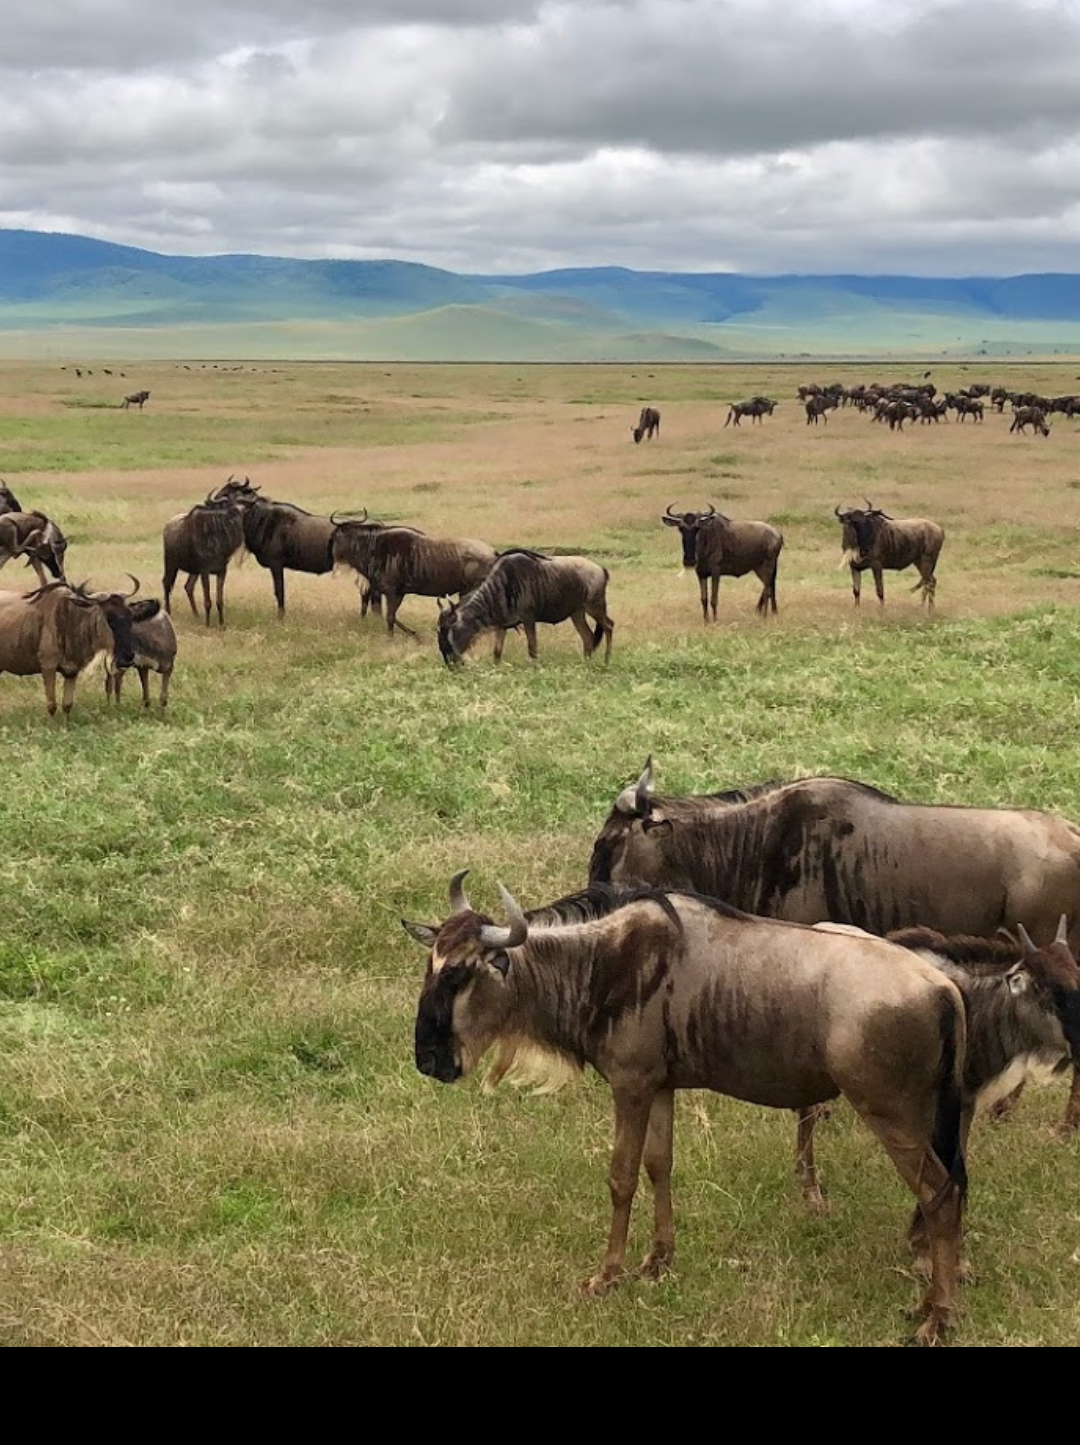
{"points": [[1062, 935], [490, 935], [339, 518]]}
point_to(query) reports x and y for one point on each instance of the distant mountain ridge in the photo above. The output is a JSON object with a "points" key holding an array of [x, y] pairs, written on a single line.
{"points": [[51, 279]]}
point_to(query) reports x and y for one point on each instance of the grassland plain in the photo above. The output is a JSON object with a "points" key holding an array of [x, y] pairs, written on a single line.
{"points": [[211, 1131]]}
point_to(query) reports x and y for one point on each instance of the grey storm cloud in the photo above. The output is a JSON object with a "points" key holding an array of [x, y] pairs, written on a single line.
{"points": [[487, 135]]}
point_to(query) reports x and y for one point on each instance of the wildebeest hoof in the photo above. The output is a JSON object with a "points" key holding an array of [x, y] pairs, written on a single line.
{"points": [[931, 1333], [657, 1262], [601, 1283], [815, 1203]]}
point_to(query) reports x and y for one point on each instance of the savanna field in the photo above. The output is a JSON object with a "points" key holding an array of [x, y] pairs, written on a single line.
{"points": [[211, 1128]]}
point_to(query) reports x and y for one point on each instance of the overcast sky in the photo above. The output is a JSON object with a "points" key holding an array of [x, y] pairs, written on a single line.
{"points": [[921, 136]]}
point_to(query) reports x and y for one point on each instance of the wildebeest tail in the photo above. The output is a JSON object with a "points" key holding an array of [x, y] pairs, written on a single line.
{"points": [[946, 1139]]}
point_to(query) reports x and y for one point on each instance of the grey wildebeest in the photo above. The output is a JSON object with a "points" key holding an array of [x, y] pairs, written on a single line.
{"points": [[135, 398], [399, 561], [874, 541], [33, 536], [755, 409], [1030, 416], [202, 543], [281, 537], [718, 547], [153, 641], [648, 422], [669, 991], [60, 629], [522, 589], [832, 849]]}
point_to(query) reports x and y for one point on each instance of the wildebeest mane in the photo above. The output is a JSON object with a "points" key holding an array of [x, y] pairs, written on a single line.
{"points": [[600, 900]]}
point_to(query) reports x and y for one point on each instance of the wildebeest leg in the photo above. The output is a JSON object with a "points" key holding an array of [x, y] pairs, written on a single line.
{"points": [[659, 1147], [1071, 1121], [856, 585], [278, 574], [805, 1167], [189, 588], [393, 602], [714, 593], [69, 693], [144, 679], [48, 677], [584, 631], [220, 599], [110, 686], [163, 699], [530, 637], [918, 1235], [500, 643], [204, 578], [766, 573], [632, 1110], [703, 582], [879, 584], [168, 582]]}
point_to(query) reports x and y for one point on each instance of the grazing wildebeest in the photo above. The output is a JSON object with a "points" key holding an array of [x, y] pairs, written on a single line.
{"points": [[718, 547], [153, 640], [1033, 416], [135, 398], [280, 536], [873, 540], [522, 589], [33, 536], [9, 502], [648, 422], [399, 561], [202, 543], [830, 848], [675, 991], [755, 409], [61, 629]]}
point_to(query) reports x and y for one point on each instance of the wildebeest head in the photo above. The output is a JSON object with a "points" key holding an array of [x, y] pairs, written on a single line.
{"points": [[626, 848], [1053, 972], [48, 545], [236, 491], [113, 606], [464, 1002], [689, 525], [860, 530], [447, 617]]}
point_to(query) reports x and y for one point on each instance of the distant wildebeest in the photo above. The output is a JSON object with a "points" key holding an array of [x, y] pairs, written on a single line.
{"points": [[755, 409], [33, 536], [399, 561], [830, 848], [818, 407], [1033, 416], [968, 406], [9, 502], [718, 547], [522, 589], [671, 991], [874, 541], [202, 543], [153, 641], [61, 629], [135, 398], [648, 422], [281, 537]]}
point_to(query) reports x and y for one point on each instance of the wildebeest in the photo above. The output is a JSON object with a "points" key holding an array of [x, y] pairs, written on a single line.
{"points": [[648, 422], [33, 536], [135, 398], [399, 561], [280, 536], [9, 502], [61, 629], [202, 543], [829, 848], [675, 991], [818, 407], [153, 641], [755, 409], [1033, 416], [522, 589], [873, 540], [718, 547]]}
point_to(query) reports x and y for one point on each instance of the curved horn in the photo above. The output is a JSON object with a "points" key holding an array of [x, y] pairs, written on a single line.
{"points": [[348, 517], [1025, 939], [1062, 935], [458, 901], [643, 791], [670, 513], [869, 505], [839, 513], [711, 512], [512, 937], [135, 589]]}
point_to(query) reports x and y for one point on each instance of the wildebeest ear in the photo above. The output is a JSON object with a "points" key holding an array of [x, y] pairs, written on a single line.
{"points": [[1019, 980], [501, 963], [670, 521], [422, 932], [144, 610]]}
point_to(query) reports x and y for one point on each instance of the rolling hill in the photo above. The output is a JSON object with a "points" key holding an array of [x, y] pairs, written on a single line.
{"points": [[53, 284]]}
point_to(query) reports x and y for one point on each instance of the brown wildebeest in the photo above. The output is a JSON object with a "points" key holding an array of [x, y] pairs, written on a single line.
{"points": [[281, 537], [33, 536], [674, 991], [1033, 416], [135, 398], [830, 848], [202, 543], [648, 422], [755, 409], [524, 588], [397, 562], [873, 540], [818, 407], [153, 640], [718, 547], [61, 629]]}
